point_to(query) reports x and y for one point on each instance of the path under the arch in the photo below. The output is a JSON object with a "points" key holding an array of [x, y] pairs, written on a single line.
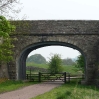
{"points": [[30, 91]]}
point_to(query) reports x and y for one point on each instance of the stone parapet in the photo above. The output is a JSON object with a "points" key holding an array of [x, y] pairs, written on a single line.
{"points": [[56, 27]]}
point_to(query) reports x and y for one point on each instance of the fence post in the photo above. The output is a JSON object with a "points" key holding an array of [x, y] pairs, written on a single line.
{"points": [[39, 77], [82, 76], [30, 73], [27, 76], [64, 77], [69, 77]]}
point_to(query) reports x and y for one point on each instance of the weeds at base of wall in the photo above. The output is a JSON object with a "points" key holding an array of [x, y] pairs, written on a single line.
{"points": [[3, 79]]}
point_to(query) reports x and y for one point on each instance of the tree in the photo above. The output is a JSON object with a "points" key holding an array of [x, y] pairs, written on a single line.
{"points": [[6, 42], [36, 58], [55, 64], [80, 63], [68, 61], [7, 7]]}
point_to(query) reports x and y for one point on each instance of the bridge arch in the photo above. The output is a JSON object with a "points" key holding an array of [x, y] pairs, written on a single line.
{"points": [[21, 62], [82, 35]]}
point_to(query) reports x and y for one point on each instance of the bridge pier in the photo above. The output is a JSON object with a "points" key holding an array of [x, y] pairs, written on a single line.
{"points": [[91, 67], [12, 70]]}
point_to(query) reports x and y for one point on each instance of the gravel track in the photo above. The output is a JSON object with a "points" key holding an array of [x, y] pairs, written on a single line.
{"points": [[30, 91]]}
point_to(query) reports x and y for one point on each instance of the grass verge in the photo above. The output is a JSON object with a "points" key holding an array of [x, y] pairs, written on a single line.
{"points": [[71, 91], [9, 85]]}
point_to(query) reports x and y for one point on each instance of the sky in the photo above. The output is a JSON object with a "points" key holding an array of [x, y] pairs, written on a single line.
{"points": [[59, 10], [64, 52]]}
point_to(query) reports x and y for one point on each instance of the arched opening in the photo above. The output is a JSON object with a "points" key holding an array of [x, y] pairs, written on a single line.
{"points": [[21, 69]]}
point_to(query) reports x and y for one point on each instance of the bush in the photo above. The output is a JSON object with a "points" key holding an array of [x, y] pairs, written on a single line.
{"points": [[6, 41], [80, 63]]}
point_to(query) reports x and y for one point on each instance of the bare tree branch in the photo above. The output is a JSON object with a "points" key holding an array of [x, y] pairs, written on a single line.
{"points": [[9, 9]]}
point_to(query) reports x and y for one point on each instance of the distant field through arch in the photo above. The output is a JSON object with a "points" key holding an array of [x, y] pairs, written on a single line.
{"points": [[34, 47]]}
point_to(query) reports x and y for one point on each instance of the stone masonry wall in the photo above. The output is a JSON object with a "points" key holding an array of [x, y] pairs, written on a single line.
{"points": [[88, 44], [54, 27], [82, 35]]}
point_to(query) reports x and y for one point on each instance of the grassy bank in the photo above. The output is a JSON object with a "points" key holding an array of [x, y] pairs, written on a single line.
{"points": [[9, 85], [71, 91]]}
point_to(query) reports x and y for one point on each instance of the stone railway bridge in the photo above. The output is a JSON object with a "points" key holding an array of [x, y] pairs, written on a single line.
{"points": [[78, 34]]}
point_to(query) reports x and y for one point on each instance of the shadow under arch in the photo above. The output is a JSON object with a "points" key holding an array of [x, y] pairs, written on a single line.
{"points": [[21, 64]]}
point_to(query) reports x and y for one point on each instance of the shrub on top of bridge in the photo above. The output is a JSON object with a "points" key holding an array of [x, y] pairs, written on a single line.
{"points": [[5, 41], [55, 64]]}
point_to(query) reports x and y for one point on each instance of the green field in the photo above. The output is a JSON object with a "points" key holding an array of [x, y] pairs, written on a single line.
{"points": [[68, 68], [71, 91], [37, 65]]}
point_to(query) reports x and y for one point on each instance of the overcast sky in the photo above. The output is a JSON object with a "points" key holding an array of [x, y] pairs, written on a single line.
{"points": [[63, 51], [59, 10]]}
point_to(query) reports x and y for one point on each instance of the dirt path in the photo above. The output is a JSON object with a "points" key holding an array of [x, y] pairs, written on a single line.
{"points": [[30, 91]]}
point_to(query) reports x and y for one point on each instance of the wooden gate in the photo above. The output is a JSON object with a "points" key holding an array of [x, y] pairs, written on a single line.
{"points": [[52, 77]]}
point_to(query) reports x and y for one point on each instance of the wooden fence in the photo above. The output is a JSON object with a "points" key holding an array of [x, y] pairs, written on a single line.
{"points": [[43, 77]]}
